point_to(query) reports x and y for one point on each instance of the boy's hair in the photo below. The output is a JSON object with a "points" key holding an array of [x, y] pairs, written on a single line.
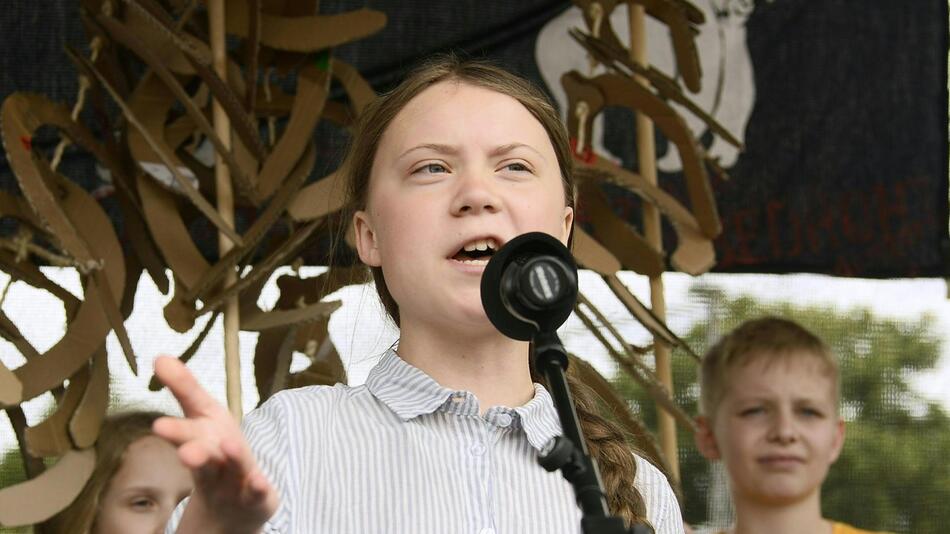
{"points": [[767, 338]]}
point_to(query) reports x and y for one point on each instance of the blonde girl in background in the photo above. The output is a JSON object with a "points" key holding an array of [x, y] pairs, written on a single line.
{"points": [[136, 483]]}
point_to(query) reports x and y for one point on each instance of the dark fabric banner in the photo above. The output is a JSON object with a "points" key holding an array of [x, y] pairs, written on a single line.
{"points": [[841, 105]]}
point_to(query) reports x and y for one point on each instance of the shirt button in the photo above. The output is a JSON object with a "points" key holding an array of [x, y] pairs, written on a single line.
{"points": [[504, 420], [478, 449]]}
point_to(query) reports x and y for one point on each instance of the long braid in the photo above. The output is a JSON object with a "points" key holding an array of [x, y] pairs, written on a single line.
{"points": [[607, 445]]}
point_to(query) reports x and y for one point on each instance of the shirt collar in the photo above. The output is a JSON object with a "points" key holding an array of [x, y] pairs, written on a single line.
{"points": [[406, 390], [409, 393], [539, 418]]}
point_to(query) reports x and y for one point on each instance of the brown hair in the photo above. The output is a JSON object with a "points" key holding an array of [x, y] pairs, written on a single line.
{"points": [[768, 337], [117, 433], [605, 440]]}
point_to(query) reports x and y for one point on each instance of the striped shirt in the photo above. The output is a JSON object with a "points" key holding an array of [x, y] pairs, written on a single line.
{"points": [[402, 454]]}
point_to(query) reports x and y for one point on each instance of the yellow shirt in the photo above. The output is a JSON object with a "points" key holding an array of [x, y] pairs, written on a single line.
{"points": [[840, 528]]}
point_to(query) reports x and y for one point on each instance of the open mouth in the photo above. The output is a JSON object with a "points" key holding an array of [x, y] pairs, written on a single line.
{"points": [[476, 252]]}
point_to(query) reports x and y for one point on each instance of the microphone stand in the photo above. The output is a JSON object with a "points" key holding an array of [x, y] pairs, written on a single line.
{"points": [[529, 288], [569, 451]]}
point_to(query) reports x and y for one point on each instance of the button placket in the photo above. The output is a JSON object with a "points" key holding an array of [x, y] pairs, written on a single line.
{"points": [[477, 448], [479, 452]]}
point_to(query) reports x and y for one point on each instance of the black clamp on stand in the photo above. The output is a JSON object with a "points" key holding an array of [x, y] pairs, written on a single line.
{"points": [[528, 289]]}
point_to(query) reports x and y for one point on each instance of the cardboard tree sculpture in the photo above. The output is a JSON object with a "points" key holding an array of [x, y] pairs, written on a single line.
{"points": [[154, 78], [156, 151], [613, 244]]}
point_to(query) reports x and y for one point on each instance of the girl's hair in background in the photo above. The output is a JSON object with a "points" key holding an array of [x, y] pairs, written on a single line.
{"points": [[771, 339], [606, 441], [117, 433]]}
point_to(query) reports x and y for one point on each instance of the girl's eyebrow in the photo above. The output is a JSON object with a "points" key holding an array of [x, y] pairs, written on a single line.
{"points": [[454, 150], [436, 147], [149, 490], [504, 149]]}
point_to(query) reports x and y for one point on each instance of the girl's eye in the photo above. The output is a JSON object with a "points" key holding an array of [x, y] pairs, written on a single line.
{"points": [[142, 504], [431, 168], [516, 167], [810, 412]]}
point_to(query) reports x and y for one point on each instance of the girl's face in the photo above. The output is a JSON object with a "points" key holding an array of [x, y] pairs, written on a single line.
{"points": [[142, 494], [460, 167]]}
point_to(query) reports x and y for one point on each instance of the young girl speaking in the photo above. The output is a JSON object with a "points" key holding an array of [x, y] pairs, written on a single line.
{"points": [[443, 436]]}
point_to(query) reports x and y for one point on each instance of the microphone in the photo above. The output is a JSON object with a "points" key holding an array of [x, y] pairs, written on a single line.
{"points": [[529, 286]]}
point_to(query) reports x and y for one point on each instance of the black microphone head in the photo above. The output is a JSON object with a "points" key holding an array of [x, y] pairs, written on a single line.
{"points": [[529, 286]]}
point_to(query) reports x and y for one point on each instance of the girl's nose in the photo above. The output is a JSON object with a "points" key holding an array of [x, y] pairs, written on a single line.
{"points": [[475, 194]]}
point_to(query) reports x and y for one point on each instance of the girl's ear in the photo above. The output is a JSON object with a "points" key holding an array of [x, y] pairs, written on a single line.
{"points": [[366, 245], [705, 439], [568, 223]]}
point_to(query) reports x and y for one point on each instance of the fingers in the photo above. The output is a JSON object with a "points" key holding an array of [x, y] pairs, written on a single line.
{"points": [[175, 429], [257, 490], [233, 479], [211, 446], [238, 453], [201, 442], [225, 462], [198, 454], [258, 484], [261, 495], [183, 385]]}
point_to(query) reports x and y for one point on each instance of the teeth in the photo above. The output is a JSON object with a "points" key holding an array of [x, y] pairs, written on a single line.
{"points": [[480, 244]]}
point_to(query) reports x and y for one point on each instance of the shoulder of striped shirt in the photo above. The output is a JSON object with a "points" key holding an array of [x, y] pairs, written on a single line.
{"points": [[647, 473], [288, 404], [316, 393], [659, 497]]}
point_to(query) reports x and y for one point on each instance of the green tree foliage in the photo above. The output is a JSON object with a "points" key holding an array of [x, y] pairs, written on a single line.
{"points": [[11, 472], [893, 473]]}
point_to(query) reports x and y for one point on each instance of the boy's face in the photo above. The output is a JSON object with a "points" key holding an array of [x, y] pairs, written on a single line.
{"points": [[776, 428]]}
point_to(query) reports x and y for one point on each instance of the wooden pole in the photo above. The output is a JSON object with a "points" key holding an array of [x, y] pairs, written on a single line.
{"points": [[646, 156], [225, 198]]}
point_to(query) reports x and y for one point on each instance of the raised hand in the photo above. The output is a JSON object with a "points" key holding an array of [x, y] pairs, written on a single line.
{"points": [[231, 493]]}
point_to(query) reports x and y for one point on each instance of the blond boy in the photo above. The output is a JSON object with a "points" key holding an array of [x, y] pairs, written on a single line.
{"points": [[769, 411]]}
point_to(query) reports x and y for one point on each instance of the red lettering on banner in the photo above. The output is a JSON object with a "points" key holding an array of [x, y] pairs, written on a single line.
{"points": [[863, 232], [797, 247], [843, 267], [773, 211], [890, 207], [743, 238], [857, 232]]}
